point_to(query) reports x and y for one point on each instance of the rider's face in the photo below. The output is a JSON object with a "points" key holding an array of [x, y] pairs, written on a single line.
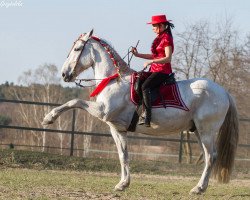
{"points": [[157, 28]]}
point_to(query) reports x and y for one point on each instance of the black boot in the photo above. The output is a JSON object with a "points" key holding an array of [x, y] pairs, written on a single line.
{"points": [[147, 103], [142, 115]]}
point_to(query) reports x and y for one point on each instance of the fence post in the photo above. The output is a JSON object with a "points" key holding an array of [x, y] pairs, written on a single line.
{"points": [[73, 133], [180, 148]]}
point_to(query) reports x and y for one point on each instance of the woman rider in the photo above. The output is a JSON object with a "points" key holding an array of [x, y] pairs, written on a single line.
{"points": [[159, 60]]}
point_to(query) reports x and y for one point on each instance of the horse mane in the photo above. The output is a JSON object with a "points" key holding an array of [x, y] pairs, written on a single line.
{"points": [[123, 66]]}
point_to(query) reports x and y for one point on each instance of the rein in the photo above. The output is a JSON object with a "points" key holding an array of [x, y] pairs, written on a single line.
{"points": [[129, 52], [79, 81]]}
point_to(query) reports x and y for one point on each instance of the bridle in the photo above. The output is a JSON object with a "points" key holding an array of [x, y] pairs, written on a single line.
{"points": [[78, 57], [106, 47]]}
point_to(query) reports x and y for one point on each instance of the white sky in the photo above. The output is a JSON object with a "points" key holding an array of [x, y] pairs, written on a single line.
{"points": [[43, 31]]}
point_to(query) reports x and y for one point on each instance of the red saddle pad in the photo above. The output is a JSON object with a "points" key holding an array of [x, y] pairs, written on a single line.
{"points": [[170, 95]]}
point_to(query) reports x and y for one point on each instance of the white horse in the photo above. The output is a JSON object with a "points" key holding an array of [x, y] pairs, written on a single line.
{"points": [[211, 110]]}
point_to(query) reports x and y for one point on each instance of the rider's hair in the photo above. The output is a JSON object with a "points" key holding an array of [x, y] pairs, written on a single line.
{"points": [[169, 26]]}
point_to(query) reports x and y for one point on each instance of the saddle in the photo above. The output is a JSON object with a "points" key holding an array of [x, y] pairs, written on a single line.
{"points": [[142, 76], [167, 95]]}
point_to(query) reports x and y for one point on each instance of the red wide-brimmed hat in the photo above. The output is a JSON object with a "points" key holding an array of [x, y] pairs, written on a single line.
{"points": [[158, 19]]}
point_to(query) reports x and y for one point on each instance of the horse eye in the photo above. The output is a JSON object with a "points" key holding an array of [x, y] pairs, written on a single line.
{"points": [[76, 49]]}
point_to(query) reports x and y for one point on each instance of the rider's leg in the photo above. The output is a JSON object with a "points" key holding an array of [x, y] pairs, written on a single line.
{"points": [[153, 81]]}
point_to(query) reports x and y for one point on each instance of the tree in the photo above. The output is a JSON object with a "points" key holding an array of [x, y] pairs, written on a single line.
{"points": [[40, 85], [190, 54], [5, 120], [43, 85], [216, 53]]}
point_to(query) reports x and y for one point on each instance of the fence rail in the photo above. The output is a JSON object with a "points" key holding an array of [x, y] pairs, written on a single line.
{"points": [[72, 132]]}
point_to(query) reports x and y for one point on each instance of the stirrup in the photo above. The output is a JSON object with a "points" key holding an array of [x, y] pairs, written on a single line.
{"points": [[141, 120], [144, 121]]}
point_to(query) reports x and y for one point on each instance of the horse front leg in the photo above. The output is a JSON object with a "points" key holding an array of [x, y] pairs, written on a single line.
{"points": [[93, 108], [120, 139]]}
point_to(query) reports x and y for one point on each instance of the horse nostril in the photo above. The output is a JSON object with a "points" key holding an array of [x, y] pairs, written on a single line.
{"points": [[63, 74]]}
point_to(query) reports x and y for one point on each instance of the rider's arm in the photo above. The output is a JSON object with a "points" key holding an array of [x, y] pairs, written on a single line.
{"points": [[166, 59], [145, 56], [141, 55]]}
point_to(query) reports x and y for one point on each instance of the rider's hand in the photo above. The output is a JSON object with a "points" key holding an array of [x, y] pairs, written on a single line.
{"points": [[134, 51], [146, 64]]}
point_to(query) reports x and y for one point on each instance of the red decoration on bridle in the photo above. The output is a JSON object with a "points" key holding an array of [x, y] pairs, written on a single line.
{"points": [[106, 47]]}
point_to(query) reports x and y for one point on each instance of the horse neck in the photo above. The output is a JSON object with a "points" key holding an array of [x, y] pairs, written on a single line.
{"points": [[104, 66]]}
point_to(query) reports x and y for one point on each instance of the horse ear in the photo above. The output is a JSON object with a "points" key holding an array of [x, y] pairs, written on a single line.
{"points": [[87, 35], [91, 32]]}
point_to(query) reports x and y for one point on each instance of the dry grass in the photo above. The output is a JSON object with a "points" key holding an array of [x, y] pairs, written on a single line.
{"points": [[32, 175], [51, 184]]}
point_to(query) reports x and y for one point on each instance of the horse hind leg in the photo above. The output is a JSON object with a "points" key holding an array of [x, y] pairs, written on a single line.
{"points": [[207, 144]]}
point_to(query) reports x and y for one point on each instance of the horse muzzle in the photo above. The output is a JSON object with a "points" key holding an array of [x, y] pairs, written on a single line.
{"points": [[68, 77]]}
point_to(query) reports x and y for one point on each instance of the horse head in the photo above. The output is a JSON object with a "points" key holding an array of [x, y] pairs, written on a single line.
{"points": [[79, 58]]}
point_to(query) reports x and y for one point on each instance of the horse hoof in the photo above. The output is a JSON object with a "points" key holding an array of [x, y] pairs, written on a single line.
{"points": [[48, 119], [44, 123], [196, 190], [119, 188]]}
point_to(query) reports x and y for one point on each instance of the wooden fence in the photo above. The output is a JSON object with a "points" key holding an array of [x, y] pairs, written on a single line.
{"points": [[72, 132]]}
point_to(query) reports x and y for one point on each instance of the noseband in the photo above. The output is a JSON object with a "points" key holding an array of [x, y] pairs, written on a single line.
{"points": [[78, 57]]}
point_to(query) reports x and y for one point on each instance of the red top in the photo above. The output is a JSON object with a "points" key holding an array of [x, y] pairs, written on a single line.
{"points": [[158, 51]]}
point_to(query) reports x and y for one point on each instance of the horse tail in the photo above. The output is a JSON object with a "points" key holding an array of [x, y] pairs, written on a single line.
{"points": [[227, 141]]}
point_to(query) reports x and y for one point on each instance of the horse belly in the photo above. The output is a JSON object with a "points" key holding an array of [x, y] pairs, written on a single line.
{"points": [[166, 122]]}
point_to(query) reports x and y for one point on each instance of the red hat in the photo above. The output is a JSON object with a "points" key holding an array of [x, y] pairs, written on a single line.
{"points": [[158, 19]]}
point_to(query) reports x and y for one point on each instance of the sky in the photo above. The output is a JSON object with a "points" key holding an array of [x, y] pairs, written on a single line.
{"points": [[34, 32]]}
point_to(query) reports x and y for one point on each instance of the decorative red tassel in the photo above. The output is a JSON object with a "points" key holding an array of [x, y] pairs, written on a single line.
{"points": [[103, 84]]}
